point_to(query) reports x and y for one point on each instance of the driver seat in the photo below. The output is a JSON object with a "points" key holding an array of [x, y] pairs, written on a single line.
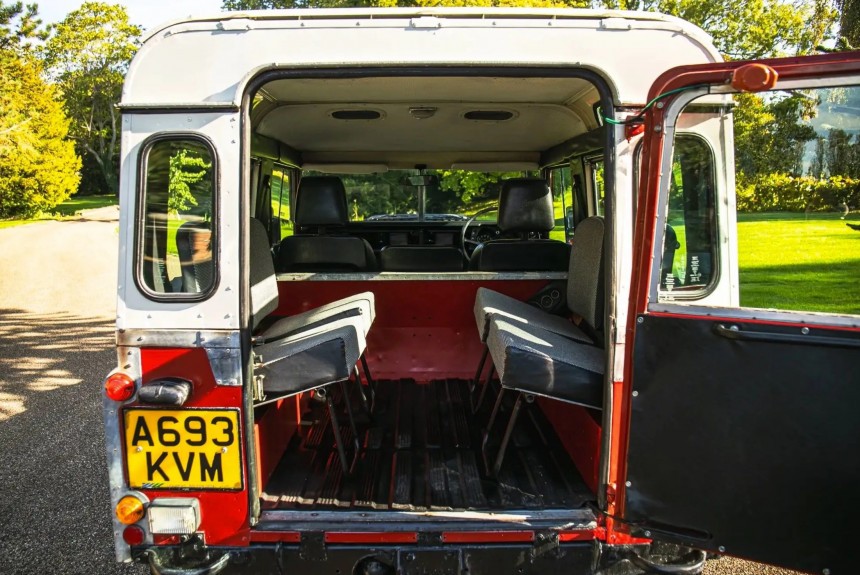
{"points": [[525, 207]]}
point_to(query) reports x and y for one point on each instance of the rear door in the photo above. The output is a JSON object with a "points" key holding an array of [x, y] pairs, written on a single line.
{"points": [[744, 409]]}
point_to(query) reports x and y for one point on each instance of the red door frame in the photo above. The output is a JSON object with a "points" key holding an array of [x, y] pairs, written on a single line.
{"points": [[798, 68]]}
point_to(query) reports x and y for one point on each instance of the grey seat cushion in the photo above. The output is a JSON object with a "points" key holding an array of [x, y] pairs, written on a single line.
{"points": [[543, 363], [312, 358], [489, 303], [360, 306]]}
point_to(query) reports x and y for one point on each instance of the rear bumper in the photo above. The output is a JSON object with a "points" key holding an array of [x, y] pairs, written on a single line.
{"points": [[261, 559]]}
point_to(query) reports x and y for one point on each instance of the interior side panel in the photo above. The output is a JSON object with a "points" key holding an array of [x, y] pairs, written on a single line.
{"points": [[745, 438], [423, 329]]}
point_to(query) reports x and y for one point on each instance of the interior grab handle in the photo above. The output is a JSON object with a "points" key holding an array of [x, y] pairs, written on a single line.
{"points": [[736, 332]]}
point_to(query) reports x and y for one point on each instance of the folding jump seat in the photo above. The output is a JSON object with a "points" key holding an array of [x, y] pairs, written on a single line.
{"points": [[536, 355], [584, 299], [308, 351]]}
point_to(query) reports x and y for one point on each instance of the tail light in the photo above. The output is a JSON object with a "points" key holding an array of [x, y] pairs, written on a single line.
{"points": [[129, 510], [119, 386]]}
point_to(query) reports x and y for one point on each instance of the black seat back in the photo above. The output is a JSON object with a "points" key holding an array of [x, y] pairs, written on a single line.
{"points": [[421, 259], [320, 207], [525, 207]]}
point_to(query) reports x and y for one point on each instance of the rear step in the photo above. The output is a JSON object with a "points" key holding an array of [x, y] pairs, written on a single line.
{"points": [[421, 453]]}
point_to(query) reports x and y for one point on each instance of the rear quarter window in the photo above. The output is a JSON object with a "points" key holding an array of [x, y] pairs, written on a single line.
{"points": [[176, 235]]}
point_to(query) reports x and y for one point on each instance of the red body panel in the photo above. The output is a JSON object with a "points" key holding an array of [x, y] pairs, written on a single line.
{"points": [[581, 436], [424, 329], [224, 514]]}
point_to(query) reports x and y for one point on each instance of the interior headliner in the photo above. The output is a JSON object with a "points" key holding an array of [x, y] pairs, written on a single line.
{"points": [[544, 112]]}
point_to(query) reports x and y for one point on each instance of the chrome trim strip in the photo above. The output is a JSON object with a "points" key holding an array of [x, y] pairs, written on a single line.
{"points": [[208, 339]]}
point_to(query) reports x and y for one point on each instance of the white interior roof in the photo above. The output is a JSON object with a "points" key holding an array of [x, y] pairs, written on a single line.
{"points": [[209, 61]]}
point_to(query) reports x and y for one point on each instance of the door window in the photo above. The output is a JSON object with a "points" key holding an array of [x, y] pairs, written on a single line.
{"points": [[175, 253], [797, 201]]}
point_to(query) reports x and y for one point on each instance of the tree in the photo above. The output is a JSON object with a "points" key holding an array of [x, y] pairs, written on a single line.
{"points": [[87, 55], [186, 170], [19, 26], [38, 166], [849, 23]]}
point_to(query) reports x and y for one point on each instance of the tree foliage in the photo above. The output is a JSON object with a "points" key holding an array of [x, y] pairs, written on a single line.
{"points": [[38, 166], [187, 169], [87, 55], [19, 26], [849, 23]]}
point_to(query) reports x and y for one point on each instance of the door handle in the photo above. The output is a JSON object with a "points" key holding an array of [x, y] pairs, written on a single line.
{"points": [[736, 332]]}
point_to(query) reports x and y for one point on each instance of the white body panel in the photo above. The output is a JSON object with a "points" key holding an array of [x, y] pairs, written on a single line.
{"points": [[219, 56], [221, 310]]}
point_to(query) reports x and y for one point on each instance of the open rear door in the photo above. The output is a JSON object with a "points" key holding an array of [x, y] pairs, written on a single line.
{"points": [[744, 422]]}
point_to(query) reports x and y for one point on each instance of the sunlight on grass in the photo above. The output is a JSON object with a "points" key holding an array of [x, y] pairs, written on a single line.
{"points": [[806, 262], [66, 210]]}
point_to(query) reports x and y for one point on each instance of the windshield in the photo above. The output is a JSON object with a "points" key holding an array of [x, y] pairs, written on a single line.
{"points": [[449, 195]]}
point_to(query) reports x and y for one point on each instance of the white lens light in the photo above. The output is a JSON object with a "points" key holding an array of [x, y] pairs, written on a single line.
{"points": [[174, 516]]}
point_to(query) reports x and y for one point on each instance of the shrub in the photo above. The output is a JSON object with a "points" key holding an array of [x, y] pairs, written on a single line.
{"points": [[783, 192]]}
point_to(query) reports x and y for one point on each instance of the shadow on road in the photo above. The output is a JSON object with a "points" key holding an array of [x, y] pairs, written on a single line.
{"points": [[54, 508]]}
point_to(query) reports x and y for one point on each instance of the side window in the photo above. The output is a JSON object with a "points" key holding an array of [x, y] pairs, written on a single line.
{"points": [[561, 182], [598, 186], [175, 243], [280, 197], [689, 247]]}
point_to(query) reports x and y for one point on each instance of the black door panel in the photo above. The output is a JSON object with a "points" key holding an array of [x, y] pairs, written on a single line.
{"points": [[747, 436]]}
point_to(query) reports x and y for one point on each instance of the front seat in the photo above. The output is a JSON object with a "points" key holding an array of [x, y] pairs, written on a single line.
{"points": [[525, 207], [321, 206]]}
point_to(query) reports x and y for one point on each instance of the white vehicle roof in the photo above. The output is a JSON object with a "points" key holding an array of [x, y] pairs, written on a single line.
{"points": [[209, 61]]}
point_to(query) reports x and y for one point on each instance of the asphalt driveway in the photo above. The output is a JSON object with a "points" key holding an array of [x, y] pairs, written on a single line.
{"points": [[57, 297]]}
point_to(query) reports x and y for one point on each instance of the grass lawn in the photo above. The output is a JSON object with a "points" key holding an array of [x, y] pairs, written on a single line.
{"points": [[66, 210], [799, 262], [78, 203]]}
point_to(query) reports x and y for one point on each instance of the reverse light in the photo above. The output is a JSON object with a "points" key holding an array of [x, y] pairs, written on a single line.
{"points": [[129, 510], [174, 516], [133, 535], [119, 386]]}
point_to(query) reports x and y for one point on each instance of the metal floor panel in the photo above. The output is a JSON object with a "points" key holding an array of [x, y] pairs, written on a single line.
{"points": [[421, 452]]}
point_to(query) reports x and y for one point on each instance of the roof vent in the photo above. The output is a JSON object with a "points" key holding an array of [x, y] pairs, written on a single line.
{"points": [[356, 115], [488, 115]]}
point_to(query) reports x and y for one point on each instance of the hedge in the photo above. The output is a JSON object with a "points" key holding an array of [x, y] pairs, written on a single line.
{"points": [[783, 192]]}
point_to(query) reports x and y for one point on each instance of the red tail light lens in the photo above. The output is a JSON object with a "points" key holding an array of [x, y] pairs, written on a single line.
{"points": [[119, 387], [133, 535]]}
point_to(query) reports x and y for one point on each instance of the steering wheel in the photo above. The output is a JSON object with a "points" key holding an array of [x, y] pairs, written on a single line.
{"points": [[463, 240]]}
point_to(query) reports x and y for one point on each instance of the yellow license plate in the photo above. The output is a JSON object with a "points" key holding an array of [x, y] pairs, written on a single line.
{"points": [[184, 449]]}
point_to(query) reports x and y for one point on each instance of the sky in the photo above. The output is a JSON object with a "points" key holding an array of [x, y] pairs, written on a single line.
{"points": [[145, 13]]}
